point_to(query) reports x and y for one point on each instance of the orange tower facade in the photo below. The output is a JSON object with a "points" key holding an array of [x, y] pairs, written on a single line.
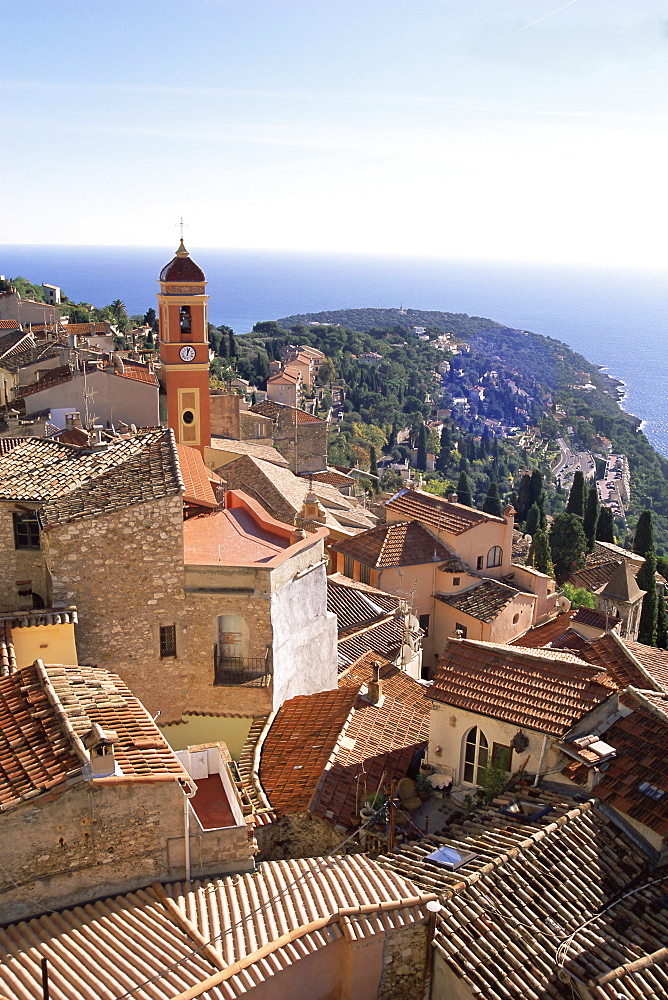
{"points": [[184, 349]]}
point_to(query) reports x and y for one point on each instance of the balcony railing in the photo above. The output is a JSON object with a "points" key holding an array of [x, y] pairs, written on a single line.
{"points": [[246, 671]]}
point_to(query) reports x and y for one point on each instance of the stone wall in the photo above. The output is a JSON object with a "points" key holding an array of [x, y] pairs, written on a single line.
{"points": [[405, 963], [21, 570], [304, 446], [300, 835], [91, 840]]}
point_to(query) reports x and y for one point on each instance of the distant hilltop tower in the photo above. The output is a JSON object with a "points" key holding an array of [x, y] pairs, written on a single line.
{"points": [[184, 349]]}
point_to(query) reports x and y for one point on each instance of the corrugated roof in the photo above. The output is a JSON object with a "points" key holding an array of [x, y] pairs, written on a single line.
{"points": [[444, 515], [406, 543], [546, 690]]}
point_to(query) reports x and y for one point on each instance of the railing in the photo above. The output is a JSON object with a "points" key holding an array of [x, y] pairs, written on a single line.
{"points": [[247, 671]]}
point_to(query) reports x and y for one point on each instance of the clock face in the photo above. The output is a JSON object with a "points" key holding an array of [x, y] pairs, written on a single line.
{"points": [[187, 352]]}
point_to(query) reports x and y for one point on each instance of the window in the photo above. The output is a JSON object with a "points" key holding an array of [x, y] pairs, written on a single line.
{"points": [[365, 574], [348, 566], [494, 556], [167, 641], [424, 624], [26, 531], [460, 630], [184, 320], [481, 562], [476, 753], [501, 756], [456, 580]]}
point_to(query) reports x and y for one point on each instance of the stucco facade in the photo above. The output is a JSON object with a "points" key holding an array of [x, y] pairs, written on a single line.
{"points": [[103, 395]]}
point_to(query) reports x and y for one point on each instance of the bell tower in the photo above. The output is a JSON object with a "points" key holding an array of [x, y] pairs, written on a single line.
{"points": [[184, 349]]}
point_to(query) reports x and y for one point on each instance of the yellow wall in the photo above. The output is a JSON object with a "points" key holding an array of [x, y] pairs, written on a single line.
{"points": [[206, 729], [51, 643]]}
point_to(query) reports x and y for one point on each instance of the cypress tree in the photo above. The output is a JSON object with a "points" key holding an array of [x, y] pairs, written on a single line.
{"points": [[373, 467], [532, 523], [492, 504], [471, 450], [576, 498], [523, 497], [537, 493], [567, 543], [232, 353], [591, 518], [421, 460], [540, 556], [464, 490], [605, 529], [443, 457], [661, 620], [646, 580], [643, 539]]}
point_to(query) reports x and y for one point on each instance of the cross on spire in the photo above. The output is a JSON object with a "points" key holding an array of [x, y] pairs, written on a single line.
{"points": [[181, 224]]}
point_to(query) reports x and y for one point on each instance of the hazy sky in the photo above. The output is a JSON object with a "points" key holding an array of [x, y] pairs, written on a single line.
{"points": [[508, 129]]}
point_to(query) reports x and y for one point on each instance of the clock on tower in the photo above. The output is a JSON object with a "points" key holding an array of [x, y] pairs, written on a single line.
{"points": [[184, 349]]}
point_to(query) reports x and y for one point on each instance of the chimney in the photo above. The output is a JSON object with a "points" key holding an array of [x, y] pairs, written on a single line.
{"points": [[452, 497], [72, 420], [97, 442], [100, 744], [375, 686]]}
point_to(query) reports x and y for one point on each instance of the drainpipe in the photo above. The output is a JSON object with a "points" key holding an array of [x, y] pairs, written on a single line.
{"points": [[540, 762], [186, 822]]}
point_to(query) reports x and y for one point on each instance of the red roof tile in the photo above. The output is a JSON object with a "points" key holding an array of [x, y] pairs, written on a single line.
{"points": [[544, 635], [484, 601], [545, 690], [182, 268], [595, 619], [615, 656], [654, 660], [402, 544], [198, 489], [438, 513], [269, 408]]}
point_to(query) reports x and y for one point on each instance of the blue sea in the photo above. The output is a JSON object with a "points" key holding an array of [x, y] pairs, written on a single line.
{"points": [[615, 318]]}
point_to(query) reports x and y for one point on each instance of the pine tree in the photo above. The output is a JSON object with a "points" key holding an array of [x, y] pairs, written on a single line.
{"points": [[492, 504], [567, 544], [591, 518], [540, 556], [605, 529], [576, 498], [532, 523], [464, 490], [662, 620], [643, 540], [421, 460], [646, 580]]}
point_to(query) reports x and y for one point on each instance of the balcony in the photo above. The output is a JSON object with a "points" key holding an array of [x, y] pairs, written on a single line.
{"points": [[241, 671]]}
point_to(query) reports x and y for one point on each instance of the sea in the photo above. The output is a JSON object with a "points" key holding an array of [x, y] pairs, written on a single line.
{"points": [[617, 318]]}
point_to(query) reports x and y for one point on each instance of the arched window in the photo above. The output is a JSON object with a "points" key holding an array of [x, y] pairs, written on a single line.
{"points": [[494, 556], [476, 752]]}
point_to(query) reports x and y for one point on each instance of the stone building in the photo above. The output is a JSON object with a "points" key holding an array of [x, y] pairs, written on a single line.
{"points": [[94, 802], [201, 609]]}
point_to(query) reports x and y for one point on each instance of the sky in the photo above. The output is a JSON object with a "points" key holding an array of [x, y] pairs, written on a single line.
{"points": [[491, 129]]}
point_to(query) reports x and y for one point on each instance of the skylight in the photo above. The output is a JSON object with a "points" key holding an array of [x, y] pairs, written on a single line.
{"points": [[450, 857], [651, 791]]}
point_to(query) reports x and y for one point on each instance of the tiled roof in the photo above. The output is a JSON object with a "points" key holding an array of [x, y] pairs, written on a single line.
{"points": [[592, 578], [319, 745], [285, 376], [542, 636], [653, 659], [9, 324], [259, 449], [401, 544], [444, 515], [615, 656], [641, 742], [216, 938], [354, 604], [182, 268], [77, 482], [483, 601], [299, 744], [386, 638], [546, 690], [622, 585], [198, 489], [269, 408], [138, 373], [86, 329], [533, 899], [8, 444], [11, 340], [44, 712], [570, 640], [595, 619], [332, 477]]}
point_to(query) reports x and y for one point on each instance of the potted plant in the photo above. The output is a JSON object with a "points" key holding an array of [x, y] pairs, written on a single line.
{"points": [[423, 788]]}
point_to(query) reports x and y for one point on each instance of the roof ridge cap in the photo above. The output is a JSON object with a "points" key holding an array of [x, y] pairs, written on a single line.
{"points": [[635, 661], [175, 456], [641, 696], [61, 711]]}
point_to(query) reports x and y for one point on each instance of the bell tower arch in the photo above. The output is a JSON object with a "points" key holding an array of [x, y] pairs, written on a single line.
{"points": [[184, 349]]}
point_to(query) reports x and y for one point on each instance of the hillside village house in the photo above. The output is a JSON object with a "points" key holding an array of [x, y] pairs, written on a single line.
{"points": [[92, 799], [200, 608], [452, 564]]}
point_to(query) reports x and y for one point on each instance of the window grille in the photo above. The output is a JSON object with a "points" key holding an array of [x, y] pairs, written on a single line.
{"points": [[167, 640]]}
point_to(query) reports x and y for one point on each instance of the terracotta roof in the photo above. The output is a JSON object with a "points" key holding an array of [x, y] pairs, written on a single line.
{"points": [[354, 606], [615, 656], [182, 268], [257, 448], [216, 938], [542, 636], [532, 899], [198, 489], [54, 376], [402, 544], [8, 444], [44, 712], [595, 619], [87, 329], [285, 376], [570, 640], [77, 482], [545, 690], [386, 638], [622, 585], [438, 513], [653, 659], [319, 745], [483, 601], [594, 577], [8, 341], [136, 372], [332, 477], [9, 324]]}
